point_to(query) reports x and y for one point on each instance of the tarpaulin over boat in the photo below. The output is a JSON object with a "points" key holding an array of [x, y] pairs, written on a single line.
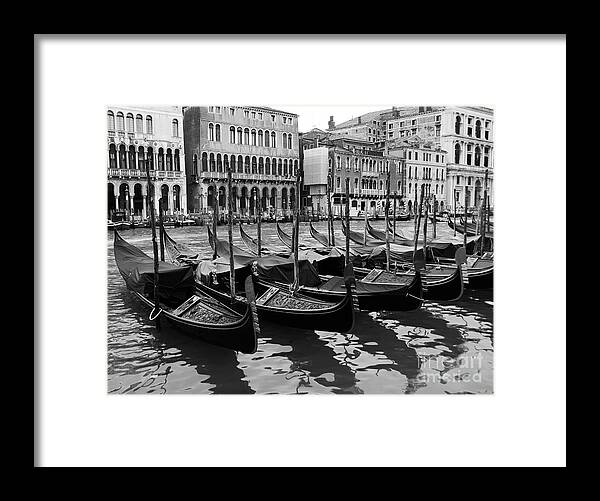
{"points": [[330, 263], [241, 257], [175, 283], [267, 267], [281, 269], [337, 284]]}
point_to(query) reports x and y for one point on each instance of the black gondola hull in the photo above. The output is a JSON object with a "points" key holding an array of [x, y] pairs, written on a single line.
{"points": [[402, 299], [483, 279], [446, 289], [239, 336], [337, 316]]}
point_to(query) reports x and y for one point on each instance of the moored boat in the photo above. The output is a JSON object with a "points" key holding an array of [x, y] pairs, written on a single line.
{"points": [[273, 303], [182, 305]]}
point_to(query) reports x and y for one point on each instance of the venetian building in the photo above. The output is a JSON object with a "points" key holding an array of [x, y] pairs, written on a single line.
{"points": [[137, 134], [340, 157], [260, 144], [467, 134], [424, 164]]}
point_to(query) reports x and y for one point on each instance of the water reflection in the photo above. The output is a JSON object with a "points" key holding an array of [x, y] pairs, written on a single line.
{"points": [[441, 348]]}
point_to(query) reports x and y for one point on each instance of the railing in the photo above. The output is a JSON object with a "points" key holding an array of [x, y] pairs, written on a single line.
{"points": [[142, 173], [246, 176]]}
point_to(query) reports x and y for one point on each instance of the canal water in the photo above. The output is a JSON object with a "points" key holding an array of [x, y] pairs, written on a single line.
{"points": [[442, 348]]}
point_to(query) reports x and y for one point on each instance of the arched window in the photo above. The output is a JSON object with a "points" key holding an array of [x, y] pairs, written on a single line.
{"points": [[232, 134], [204, 162], [268, 166], [260, 138], [285, 168], [111, 120], [151, 158], [284, 142], [486, 156], [211, 132], [211, 162], [232, 163], [273, 140], [149, 128], [169, 159], [139, 124], [477, 156], [457, 126], [132, 161], [279, 167], [239, 135], [218, 133], [254, 168], [457, 153], [478, 129], [267, 142], [261, 166], [295, 168], [253, 134], [161, 159], [195, 165], [141, 162], [247, 165], [240, 164], [120, 121], [175, 126], [219, 163], [122, 157], [129, 122], [246, 136], [176, 163], [112, 156], [290, 141]]}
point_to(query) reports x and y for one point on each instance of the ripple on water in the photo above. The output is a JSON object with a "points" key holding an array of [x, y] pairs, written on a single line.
{"points": [[442, 348]]}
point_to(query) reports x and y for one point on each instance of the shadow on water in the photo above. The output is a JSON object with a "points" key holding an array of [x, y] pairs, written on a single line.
{"points": [[312, 359], [386, 352], [157, 352], [383, 343]]}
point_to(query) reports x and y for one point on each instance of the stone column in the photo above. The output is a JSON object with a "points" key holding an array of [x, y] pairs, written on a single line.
{"points": [[145, 207]]}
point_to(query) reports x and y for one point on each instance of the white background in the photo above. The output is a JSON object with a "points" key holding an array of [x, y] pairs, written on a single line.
{"points": [[523, 423]]}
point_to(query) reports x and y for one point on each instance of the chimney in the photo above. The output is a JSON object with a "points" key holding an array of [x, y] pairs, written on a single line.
{"points": [[359, 121], [421, 109], [331, 123]]}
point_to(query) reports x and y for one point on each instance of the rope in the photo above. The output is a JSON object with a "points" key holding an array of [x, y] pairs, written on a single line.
{"points": [[153, 310]]}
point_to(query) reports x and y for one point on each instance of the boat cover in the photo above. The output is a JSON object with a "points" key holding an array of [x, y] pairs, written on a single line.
{"points": [[175, 283]]}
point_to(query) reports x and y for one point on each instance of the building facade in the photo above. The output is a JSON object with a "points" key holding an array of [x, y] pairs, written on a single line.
{"points": [[424, 164], [340, 157], [467, 134], [136, 134], [260, 145]]}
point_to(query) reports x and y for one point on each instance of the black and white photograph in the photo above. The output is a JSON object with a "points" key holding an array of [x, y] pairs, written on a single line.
{"points": [[299, 250], [354, 257]]}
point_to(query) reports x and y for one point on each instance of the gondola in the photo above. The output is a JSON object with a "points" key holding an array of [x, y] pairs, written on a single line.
{"points": [[273, 303], [471, 227], [403, 295], [440, 283], [403, 216], [380, 234], [182, 305], [283, 236], [360, 238], [250, 242]]}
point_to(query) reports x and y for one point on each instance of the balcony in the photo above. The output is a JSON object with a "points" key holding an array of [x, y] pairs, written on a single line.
{"points": [[247, 177], [136, 173]]}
